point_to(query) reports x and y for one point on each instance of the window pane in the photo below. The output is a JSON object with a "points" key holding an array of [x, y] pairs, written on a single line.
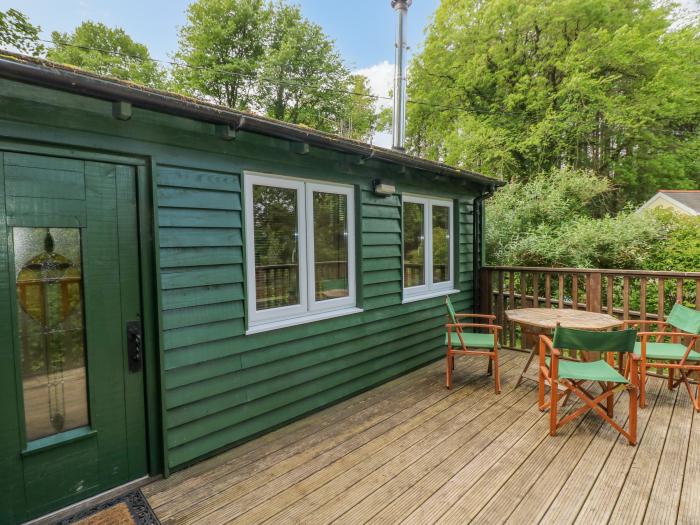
{"points": [[441, 244], [48, 270], [330, 245], [276, 247], [413, 245]]}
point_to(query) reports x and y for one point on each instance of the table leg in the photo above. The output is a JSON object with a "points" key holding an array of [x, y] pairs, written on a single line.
{"points": [[527, 365], [533, 338]]}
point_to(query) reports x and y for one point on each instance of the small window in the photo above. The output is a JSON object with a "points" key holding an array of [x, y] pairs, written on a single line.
{"points": [[49, 296], [427, 246], [300, 248]]}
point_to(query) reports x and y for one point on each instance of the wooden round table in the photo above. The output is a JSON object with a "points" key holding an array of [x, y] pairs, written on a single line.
{"points": [[537, 321]]}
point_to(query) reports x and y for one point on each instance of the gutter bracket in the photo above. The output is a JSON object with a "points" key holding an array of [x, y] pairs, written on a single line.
{"points": [[228, 132], [225, 132], [121, 110], [300, 148]]}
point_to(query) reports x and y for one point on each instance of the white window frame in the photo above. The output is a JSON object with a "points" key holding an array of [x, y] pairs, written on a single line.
{"points": [[340, 302], [308, 308], [429, 289]]}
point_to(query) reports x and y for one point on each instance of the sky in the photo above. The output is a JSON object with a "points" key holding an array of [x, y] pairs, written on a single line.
{"points": [[362, 29]]}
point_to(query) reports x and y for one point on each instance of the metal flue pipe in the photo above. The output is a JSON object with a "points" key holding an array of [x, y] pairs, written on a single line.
{"points": [[399, 118]]}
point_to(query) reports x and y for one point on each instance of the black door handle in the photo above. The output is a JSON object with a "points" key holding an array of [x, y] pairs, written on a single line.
{"points": [[134, 345]]}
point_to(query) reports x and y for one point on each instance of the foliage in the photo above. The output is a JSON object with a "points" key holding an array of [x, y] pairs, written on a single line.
{"points": [[17, 32], [680, 250], [106, 51], [519, 87], [266, 57], [221, 47], [310, 79], [553, 220], [362, 119]]}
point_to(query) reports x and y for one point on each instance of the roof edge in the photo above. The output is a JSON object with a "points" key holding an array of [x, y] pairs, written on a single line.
{"points": [[50, 74]]}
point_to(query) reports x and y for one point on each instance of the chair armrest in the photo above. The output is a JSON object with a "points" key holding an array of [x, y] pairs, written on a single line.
{"points": [[490, 327], [476, 316], [667, 334], [633, 322]]}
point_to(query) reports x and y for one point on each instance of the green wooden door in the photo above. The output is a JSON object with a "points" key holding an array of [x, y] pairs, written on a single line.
{"points": [[73, 414]]}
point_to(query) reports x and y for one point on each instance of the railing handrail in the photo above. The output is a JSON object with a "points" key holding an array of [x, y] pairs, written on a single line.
{"points": [[605, 271]]}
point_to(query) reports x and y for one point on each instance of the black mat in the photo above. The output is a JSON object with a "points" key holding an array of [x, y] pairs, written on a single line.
{"points": [[140, 511]]}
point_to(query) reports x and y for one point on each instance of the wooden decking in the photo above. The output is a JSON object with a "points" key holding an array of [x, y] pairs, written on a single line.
{"points": [[410, 451]]}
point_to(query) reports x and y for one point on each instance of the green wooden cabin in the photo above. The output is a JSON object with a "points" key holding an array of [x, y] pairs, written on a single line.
{"points": [[177, 278]]}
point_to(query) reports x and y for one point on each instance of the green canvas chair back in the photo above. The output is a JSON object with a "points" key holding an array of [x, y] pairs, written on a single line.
{"points": [[450, 310], [685, 319], [573, 339]]}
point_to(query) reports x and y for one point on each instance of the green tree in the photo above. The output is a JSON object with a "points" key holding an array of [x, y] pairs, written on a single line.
{"points": [[362, 119], [106, 51], [221, 49], [266, 57], [517, 87], [17, 32], [303, 79]]}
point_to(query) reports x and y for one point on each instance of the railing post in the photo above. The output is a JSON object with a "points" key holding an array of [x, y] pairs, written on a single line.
{"points": [[594, 292]]}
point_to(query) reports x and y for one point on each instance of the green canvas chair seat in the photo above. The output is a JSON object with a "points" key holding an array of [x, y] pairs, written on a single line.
{"points": [[589, 371], [666, 351], [471, 340]]}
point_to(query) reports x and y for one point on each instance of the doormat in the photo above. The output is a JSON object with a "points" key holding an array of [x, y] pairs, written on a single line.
{"points": [[131, 508]]}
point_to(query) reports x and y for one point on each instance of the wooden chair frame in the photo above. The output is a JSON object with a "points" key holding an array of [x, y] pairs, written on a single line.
{"points": [[551, 376], [458, 327], [682, 365]]}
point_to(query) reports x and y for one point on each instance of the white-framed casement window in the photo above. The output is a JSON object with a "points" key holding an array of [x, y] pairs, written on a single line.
{"points": [[300, 250], [428, 248]]}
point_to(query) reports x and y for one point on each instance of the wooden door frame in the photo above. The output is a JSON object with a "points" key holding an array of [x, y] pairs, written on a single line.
{"points": [[153, 365]]}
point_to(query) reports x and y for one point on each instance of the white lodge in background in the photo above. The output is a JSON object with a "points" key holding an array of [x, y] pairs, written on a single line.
{"points": [[686, 202]]}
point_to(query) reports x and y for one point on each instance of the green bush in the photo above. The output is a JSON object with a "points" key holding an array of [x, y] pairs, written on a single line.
{"points": [[557, 220], [680, 249]]}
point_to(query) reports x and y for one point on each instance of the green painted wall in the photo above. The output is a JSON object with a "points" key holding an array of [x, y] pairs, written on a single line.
{"points": [[223, 386], [220, 387]]}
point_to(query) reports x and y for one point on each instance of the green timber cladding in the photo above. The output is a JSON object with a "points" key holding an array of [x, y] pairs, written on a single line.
{"points": [[223, 386], [209, 385]]}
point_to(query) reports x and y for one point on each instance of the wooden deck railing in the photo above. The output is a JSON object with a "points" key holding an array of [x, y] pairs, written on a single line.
{"points": [[627, 294], [276, 280]]}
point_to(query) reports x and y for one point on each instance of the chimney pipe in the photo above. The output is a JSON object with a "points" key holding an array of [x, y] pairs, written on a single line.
{"points": [[399, 123]]}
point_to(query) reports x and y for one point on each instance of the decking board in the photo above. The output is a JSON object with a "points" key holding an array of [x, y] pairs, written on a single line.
{"points": [[662, 506], [689, 508], [522, 464], [227, 505], [410, 451], [439, 421]]}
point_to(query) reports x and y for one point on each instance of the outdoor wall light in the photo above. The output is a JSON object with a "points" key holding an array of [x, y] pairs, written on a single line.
{"points": [[383, 187]]}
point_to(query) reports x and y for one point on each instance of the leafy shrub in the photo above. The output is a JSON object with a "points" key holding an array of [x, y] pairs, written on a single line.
{"points": [[680, 250], [556, 219]]}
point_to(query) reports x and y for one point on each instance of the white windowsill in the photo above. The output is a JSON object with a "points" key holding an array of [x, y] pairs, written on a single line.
{"points": [[427, 295], [293, 321]]}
